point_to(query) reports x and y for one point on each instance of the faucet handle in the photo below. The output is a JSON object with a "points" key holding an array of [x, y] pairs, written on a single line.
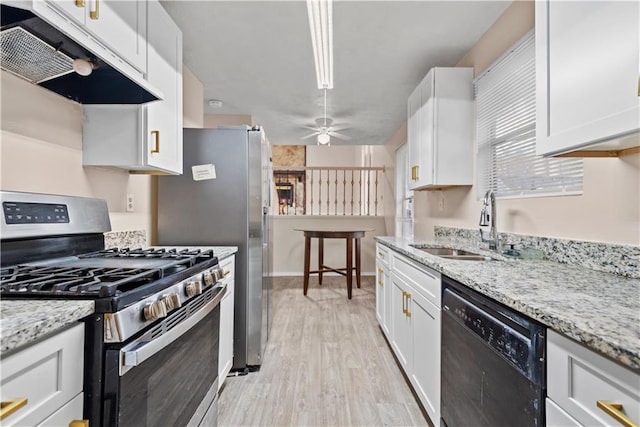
{"points": [[484, 218]]}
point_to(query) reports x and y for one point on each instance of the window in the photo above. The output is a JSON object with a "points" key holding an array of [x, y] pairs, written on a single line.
{"points": [[506, 132]]}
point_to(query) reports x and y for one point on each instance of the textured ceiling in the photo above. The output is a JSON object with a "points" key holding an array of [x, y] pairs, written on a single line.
{"points": [[257, 58]]}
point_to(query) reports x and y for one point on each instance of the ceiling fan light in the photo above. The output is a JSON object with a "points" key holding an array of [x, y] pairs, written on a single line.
{"points": [[323, 138]]}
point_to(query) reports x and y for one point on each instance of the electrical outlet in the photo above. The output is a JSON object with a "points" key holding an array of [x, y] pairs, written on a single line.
{"points": [[130, 203]]}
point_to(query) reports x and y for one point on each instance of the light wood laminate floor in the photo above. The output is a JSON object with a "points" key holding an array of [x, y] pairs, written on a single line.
{"points": [[326, 364]]}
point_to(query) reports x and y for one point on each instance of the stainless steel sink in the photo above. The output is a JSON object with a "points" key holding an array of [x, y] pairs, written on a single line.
{"points": [[457, 254]]}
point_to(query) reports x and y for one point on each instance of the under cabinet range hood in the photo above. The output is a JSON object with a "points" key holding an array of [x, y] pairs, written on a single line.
{"points": [[39, 52]]}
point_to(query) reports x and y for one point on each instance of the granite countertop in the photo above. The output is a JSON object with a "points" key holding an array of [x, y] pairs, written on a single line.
{"points": [[600, 310], [24, 321]]}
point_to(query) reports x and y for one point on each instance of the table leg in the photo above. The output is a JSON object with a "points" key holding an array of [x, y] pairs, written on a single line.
{"points": [[349, 265], [320, 258], [307, 260], [358, 261]]}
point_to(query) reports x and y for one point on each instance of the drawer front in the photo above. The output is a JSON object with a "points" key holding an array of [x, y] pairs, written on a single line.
{"points": [[229, 265], [48, 374], [423, 279], [69, 412], [556, 417], [578, 377], [382, 254]]}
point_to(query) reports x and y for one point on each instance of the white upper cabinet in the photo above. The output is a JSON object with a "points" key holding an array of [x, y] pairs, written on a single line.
{"points": [[145, 137], [587, 75], [440, 130], [120, 26]]}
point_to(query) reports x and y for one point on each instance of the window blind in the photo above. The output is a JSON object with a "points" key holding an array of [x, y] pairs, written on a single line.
{"points": [[506, 132]]}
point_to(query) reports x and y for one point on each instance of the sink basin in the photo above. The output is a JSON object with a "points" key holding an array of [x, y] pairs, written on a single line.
{"points": [[457, 254]]}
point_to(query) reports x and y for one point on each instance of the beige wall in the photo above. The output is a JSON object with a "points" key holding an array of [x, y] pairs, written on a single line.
{"points": [[607, 211], [288, 243], [41, 151], [193, 105], [215, 120]]}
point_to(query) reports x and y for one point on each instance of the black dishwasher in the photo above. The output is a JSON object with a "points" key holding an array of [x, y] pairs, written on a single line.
{"points": [[493, 369]]}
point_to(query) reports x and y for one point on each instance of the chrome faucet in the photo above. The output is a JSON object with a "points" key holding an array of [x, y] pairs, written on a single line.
{"points": [[489, 219]]}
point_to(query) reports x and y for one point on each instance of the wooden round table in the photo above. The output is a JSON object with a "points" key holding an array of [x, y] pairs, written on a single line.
{"points": [[349, 235]]}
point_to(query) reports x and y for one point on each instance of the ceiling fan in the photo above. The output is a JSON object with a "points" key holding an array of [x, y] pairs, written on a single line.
{"points": [[324, 129]]}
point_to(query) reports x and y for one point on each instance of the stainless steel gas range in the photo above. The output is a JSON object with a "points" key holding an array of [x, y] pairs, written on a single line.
{"points": [[151, 348]]}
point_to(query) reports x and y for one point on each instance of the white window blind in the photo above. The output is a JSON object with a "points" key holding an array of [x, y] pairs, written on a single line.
{"points": [[506, 132]]}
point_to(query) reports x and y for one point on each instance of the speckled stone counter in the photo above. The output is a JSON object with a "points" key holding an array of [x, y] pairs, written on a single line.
{"points": [[22, 322], [125, 239], [599, 309]]}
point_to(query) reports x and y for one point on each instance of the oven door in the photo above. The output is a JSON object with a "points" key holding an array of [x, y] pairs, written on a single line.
{"points": [[168, 376]]}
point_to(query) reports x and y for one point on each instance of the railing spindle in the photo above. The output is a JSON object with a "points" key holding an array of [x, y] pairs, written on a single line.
{"points": [[376, 205], [344, 192], [352, 172]]}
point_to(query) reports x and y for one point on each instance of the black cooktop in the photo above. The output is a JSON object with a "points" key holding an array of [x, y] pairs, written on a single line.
{"points": [[130, 273]]}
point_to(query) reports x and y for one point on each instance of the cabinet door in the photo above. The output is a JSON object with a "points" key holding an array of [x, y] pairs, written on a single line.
{"points": [[586, 73], [401, 336], [164, 119], [413, 136], [225, 355], [426, 131], [380, 303], [48, 374], [556, 417], [425, 373], [75, 10], [69, 412], [119, 26]]}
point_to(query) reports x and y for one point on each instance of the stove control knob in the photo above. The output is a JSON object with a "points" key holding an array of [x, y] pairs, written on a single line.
{"points": [[219, 274], [154, 311], [193, 288], [209, 277], [171, 301]]}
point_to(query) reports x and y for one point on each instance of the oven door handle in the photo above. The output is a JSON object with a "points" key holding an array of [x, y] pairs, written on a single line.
{"points": [[140, 350]]}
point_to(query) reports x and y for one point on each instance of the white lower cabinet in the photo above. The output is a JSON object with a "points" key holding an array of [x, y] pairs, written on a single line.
{"points": [[383, 289], [414, 327], [49, 375], [579, 382], [225, 355]]}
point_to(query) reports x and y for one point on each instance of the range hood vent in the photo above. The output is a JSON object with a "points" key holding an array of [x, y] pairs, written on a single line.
{"points": [[26, 56], [41, 54]]}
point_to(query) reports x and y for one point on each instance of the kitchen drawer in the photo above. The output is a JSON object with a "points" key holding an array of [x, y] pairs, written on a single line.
{"points": [[556, 417], [69, 412], [382, 254], [48, 374], [578, 377], [425, 280]]}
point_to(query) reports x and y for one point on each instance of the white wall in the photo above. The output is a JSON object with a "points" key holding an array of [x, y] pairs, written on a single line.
{"points": [[41, 150], [607, 211], [288, 243]]}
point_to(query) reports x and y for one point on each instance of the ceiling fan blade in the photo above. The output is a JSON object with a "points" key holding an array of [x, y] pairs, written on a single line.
{"points": [[310, 135], [339, 136], [339, 128], [311, 127]]}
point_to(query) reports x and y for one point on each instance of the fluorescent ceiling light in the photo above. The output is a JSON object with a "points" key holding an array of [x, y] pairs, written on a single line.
{"points": [[321, 25]]}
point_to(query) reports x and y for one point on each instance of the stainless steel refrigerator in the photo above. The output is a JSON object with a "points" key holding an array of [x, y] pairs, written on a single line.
{"points": [[223, 199]]}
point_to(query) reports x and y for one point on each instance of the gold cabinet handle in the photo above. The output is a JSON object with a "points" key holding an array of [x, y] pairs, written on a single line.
{"points": [[408, 313], [8, 407], [380, 271], [414, 173], [614, 410], [156, 137], [95, 14], [404, 295], [226, 273], [79, 423], [80, 3]]}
